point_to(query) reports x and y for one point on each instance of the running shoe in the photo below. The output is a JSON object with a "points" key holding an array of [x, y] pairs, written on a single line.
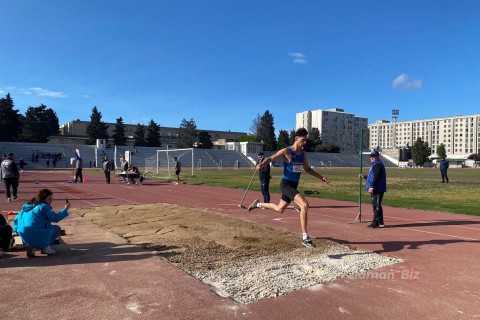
{"points": [[254, 205], [308, 243]]}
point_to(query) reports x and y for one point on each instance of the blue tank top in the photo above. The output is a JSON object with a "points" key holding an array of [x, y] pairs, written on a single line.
{"points": [[293, 169]]}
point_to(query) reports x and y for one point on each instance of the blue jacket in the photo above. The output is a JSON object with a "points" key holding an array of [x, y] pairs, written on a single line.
{"points": [[377, 177], [34, 224], [444, 165]]}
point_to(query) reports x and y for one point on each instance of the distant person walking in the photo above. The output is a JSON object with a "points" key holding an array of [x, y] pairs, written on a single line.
{"points": [[106, 169], [79, 168], [294, 160], [264, 175], [178, 168], [10, 176], [443, 170], [376, 185]]}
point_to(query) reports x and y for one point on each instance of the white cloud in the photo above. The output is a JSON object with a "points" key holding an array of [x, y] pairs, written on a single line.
{"points": [[298, 57], [85, 96], [406, 82], [45, 93], [1, 91]]}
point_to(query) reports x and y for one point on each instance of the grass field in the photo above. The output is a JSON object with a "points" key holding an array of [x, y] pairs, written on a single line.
{"points": [[406, 188]]}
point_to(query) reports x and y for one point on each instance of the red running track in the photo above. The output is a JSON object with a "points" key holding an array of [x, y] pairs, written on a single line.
{"points": [[98, 275]]}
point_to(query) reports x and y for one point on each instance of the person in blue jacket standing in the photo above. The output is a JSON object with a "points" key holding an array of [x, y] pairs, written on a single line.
{"points": [[376, 185], [34, 223], [443, 170]]}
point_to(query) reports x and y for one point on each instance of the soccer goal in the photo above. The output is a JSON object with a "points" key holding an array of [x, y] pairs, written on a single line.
{"points": [[163, 163]]}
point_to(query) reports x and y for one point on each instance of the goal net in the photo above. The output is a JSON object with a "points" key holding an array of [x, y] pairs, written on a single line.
{"points": [[162, 165]]}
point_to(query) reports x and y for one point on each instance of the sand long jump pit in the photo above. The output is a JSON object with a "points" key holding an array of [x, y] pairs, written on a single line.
{"points": [[235, 258]]}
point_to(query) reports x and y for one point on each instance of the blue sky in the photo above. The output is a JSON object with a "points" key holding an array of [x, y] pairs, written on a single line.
{"points": [[223, 62]]}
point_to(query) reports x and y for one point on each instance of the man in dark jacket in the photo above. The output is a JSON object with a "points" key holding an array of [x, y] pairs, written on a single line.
{"points": [[79, 168], [10, 176], [376, 185], [106, 169], [443, 170], [264, 175]]}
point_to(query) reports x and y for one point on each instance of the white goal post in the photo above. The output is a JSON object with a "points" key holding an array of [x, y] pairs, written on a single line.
{"points": [[164, 161]]}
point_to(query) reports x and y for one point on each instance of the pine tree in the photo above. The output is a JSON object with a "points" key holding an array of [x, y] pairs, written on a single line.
{"points": [[187, 134], [420, 152], [152, 138], [204, 140], [119, 138], [267, 132], [283, 139], [292, 137], [96, 129], [10, 120], [39, 123], [139, 136], [441, 152]]}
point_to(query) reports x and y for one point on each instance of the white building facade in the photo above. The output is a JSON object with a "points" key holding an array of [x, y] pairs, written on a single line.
{"points": [[459, 134], [336, 127]]}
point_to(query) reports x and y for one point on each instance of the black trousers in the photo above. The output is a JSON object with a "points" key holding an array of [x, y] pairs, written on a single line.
{"points": [[107, 176], [444, 175], [265, 191], [377, 198], [78, 174], [10, 183]]}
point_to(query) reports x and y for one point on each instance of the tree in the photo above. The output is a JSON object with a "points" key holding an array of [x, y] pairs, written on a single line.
{"points": [[267, 132], [39, 123], [255, 127], [420, 152], [248, 138], [314, 136], [187, 134], [441, 152], [96, 129], [10, 120], [152, 138], [283, 139], [328, 148], [292, 137], [119, 138], [139, 136], [204, 141]]}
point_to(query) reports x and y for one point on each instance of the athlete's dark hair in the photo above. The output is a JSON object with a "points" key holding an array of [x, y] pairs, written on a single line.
{"points": [[302, 132]]}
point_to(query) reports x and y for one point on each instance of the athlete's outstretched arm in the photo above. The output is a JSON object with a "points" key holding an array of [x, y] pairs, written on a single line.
{"points": [[310, 171]]}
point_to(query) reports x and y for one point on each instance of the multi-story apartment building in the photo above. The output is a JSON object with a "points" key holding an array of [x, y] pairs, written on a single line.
{"points": [[459, 134], [336, 127]]}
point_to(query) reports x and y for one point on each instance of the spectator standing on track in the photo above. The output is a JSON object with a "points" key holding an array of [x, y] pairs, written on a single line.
{"points": [[294, 159], [34, 223], [178, 169], [376, 185], [106, 169], [79, 168], [443, 170], [264, 175], [10, 176]]}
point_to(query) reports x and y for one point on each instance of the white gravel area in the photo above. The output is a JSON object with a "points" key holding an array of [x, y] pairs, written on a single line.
{"points": [[276, 275]]}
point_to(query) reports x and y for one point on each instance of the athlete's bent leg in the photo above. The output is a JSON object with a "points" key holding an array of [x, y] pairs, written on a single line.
{"points": [[303, 204], [280, 207]]}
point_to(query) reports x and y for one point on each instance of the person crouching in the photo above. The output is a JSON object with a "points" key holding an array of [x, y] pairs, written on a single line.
{"points": [[34, 223]]}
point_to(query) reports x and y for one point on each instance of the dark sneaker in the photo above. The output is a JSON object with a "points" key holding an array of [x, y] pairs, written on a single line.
{"points": [[373, 226], [254, 205], [30, 252], [297, 208], [308, 243], [381, 225]]}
